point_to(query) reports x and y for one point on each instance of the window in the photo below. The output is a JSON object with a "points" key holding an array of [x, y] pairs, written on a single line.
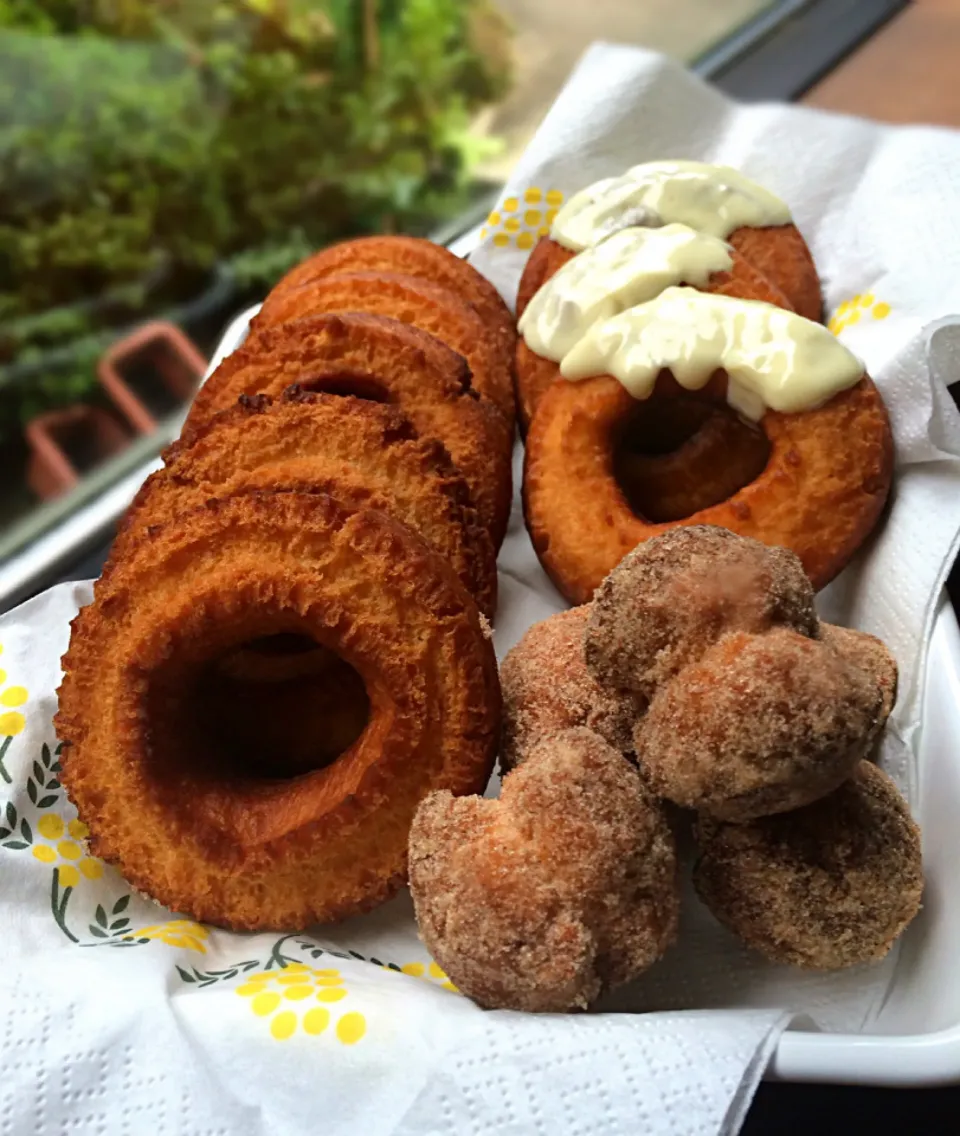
{"points": [[166, 160]]}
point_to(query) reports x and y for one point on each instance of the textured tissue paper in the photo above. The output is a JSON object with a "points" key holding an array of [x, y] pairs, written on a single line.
{"points": [[120, 1015]]}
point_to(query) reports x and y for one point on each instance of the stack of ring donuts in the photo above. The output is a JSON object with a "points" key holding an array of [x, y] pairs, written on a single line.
{"points": [[671, 371], [290, 645], [698, 680]]}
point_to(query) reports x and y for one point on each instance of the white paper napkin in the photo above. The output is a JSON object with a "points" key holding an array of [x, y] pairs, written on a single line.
{"points": [[121, 1016]]}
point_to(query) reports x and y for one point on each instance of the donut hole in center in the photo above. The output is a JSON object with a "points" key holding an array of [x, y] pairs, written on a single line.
{"points": [[673, 458], [274, 708], [347, 384]]}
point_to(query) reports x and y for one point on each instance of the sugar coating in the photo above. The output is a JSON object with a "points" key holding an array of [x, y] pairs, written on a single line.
{"points": [[564, 887], [673, 596], [547, 688], [828, 886], [759, 724], [868, 653]]}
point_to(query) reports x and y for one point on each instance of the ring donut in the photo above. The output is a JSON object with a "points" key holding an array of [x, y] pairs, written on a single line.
{"points": [[820, 493], [412, 256], [422, 304], [222, 844], [534, 373], [387, 361], [315, 442]]}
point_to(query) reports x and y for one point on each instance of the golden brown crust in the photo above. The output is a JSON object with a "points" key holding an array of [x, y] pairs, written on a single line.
{"points": [[547, 689], [354, 353], [420, 303], [324, 443], [829, 886], [535, 373], [758, 724], [564, 887], [781, 254], [176, 818], [412, 256], [820, 495]]}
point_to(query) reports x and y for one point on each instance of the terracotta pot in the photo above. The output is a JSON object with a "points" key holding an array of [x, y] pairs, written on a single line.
{"points": [[156, 350], [64, 444]]}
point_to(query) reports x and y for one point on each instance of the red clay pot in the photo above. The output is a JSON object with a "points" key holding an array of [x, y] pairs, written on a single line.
{"points": [[64, 444], [160, 348]]}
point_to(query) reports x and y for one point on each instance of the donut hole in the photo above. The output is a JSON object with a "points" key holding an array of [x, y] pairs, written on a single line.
{"points": [[274, 708], [675, 457], [347, 384]]}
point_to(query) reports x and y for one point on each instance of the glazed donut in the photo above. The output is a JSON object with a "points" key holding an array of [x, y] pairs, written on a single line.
{"points": [[534, 373], [179, 818], [429, 307], [828, 886], [715, 200], [562, 888], [547, 689], [820, 493], [362, 452], [386, 361], [411, 256]]}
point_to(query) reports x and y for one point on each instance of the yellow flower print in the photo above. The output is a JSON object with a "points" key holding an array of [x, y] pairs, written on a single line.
{"points": [[520, 221], [64, 851], [430, 973], [12, 721], [290, 997], [851, 311], [176, 933]]}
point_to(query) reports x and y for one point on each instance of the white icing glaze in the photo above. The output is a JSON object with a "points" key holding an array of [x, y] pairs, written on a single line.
{"points": [[628, 268], [711, 199], [775, 359]]}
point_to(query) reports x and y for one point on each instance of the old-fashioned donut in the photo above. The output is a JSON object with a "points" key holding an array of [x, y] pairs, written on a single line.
{"points": [[360, 450], [182, 820], [385, 361], [534, 373], [820, 493], [412, 256], [420, 303]]}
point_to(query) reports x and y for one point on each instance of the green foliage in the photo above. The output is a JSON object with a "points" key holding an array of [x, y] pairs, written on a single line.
{"points": [[146, 140]]}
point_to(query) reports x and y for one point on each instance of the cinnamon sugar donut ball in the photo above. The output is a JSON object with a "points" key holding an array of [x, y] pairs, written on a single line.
{"points": [[547, 688], [673, 596], [564, 887], [871, 655], [759, 724], [829, 886]]}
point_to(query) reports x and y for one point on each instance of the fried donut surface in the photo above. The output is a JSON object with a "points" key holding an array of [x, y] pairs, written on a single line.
{"points": [[759, 724], [534, 373], [420, 303], [325, 443], [828, 886], [820, 493], [412, 256], [392, 362], [673, 597], [562, 888], [547, 689], [180, 820], [868, 653]]}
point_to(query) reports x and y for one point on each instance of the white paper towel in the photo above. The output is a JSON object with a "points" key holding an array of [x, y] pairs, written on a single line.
{"points": [[119, 1015]]}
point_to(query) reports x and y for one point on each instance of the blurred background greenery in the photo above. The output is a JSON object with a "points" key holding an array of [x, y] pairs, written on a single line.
{"points": [[179, 155]]}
